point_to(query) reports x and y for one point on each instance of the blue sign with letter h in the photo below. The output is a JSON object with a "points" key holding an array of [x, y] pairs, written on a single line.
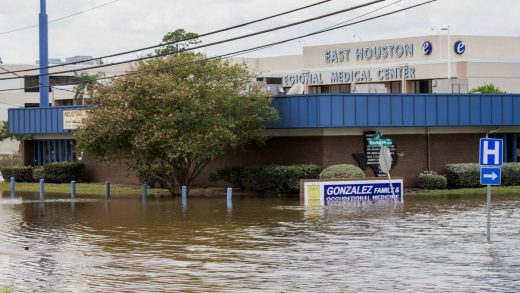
{"points": [[491, 152]]}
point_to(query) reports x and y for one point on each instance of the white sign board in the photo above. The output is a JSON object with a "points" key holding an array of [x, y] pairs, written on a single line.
{"points": [[73, 119], [317, 192]]}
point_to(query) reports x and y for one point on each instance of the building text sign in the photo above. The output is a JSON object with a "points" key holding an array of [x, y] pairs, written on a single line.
{"points": [[339, 192], [350, 76], [73, 119], [369, 53]]}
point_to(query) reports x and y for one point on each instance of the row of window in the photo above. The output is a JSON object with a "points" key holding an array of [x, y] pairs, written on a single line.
{"points": [[32, 83], [395, 87]]}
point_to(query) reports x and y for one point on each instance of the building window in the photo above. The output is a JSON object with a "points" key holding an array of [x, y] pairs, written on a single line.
{"points": [[335, 89], [270, 80], [32, 83], [421, 86], [395, 87]]}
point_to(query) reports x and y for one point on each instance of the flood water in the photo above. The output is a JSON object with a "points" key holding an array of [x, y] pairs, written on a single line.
{"points": [[260, 244]]}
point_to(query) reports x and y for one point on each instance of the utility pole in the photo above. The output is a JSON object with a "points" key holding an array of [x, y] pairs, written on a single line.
{"points": [[44, 55]]}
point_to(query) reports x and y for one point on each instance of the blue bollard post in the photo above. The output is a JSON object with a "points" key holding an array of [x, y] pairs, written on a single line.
{"points": [[184, 192], [42, 189], [107, 190], [13, 191], [73, 189], [229, 194], [144, 191], [229, 198], [184, 197]]}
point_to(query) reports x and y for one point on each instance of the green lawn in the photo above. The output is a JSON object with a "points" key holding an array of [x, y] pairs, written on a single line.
{"points": [[512, 190], [83, 188]]}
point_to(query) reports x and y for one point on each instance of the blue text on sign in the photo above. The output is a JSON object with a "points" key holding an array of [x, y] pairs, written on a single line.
{"points": [[491, 152], [339, 193]]}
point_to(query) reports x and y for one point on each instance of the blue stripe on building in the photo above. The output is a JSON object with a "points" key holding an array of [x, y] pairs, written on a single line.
{"points": [[316, 111]]}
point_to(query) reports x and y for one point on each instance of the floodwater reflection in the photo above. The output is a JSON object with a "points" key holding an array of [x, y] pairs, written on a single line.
{"points": [[265, 244]]}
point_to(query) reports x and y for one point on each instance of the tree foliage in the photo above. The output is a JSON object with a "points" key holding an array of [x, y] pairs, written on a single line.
{"points": [[86, 84], [174, 121], [182, 38], [488, 88], [4, 133]]}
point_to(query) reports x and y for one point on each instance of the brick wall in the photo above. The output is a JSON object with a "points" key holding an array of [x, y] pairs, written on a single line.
{"points": [[324, 151]]}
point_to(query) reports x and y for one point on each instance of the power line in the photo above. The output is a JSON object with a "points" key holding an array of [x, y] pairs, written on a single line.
{"points": [[1, 67], [40, 85], [338, 24], [240, 52], [359, 16], [58, 19], [213, 43], [203, 35]]}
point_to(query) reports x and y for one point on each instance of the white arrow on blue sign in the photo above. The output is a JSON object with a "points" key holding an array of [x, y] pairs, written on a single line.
{"points": [[490, 176], [491, 152]]}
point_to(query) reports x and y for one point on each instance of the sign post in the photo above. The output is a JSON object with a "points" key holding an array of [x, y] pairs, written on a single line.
{"points": [[490, 160], [385, 164]]}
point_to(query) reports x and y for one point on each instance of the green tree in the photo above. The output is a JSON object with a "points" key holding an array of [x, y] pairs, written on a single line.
{"points": [[488, 88], [86, 83], [182, 38], [172, 122], [4, 133]]}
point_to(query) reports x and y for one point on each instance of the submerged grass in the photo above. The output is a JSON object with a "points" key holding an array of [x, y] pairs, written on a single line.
{"points": [[83, 188]]}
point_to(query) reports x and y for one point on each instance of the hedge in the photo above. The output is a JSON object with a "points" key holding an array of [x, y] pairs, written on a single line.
{"points": [[20, 174], [463, 175], [430, 181], [63, 172], [38, 174], [511, 174], [343, 171], [280, 178], [468, 175]]}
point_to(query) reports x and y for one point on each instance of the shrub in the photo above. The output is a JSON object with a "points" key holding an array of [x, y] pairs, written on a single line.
{"points": [[430, 181], [255, 177], [62, 172], [286, 179], [38, 174], [463, 175], [511, 174], [20, 174], [280, 178], [343, 171]]}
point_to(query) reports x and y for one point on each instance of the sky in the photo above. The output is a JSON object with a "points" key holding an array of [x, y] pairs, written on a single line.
{"points": [[131, 24]]}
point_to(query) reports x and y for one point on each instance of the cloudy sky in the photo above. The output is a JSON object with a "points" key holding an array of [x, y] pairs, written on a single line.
{"points": [[130, 24]]}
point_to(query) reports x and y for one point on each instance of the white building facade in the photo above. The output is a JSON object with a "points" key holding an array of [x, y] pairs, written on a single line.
{"points": [[426, 64]]}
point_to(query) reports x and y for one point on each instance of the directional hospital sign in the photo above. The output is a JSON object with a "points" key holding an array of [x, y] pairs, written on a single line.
{"points": [[490, 176], [491, 159], [491, 152]]}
